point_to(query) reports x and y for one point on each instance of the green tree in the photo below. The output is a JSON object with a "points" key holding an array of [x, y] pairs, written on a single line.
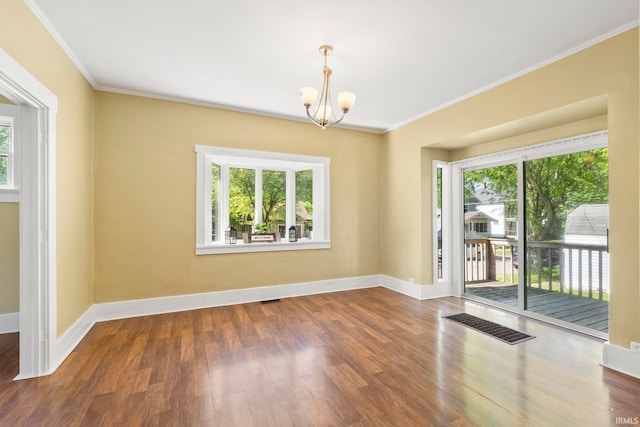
{"points": [[4, 169], [241, 195], [554, 186], [274, 196], [557, 185], [501, 181], [5, 141], [304, 189], [215, 183]]}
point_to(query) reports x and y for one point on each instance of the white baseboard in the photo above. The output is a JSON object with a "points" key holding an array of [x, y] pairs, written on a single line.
{"points": [[417, 291], [9, 323], [145, 307], [614, 357], [72, 337], [621, 359]]}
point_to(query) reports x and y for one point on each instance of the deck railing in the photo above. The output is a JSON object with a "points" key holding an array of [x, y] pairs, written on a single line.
{"points": [[572, 268]]}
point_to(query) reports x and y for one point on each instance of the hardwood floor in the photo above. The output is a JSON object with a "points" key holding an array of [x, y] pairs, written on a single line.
{"points": [[368, 357]]}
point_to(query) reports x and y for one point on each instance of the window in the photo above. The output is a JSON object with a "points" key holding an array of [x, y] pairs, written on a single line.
{"points": [[440, 216], [246, 189], [8, 173], [6, 154], [479, 227]]}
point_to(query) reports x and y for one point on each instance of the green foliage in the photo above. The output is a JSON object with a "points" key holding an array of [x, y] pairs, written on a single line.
{"points": [[5, 138], [274, 196], [5, 145], [3, 170], [501, 180], [215, 180], [304, 184], [557, 185], [554, 186], [260, 228], [241, 195], [274, 192], [304, 189]]}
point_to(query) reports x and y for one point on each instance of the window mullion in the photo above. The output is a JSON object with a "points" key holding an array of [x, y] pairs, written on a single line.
{"points": [[223, 196], [11, 161], [258, 198], [319, 197], [291, 198], [206, 206]]}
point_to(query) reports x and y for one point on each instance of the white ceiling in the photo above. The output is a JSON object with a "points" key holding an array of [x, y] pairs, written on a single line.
{"points": [[402, 58]]}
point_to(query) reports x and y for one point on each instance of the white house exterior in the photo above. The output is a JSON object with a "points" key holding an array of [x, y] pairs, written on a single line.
{"points": [[587, 225]]}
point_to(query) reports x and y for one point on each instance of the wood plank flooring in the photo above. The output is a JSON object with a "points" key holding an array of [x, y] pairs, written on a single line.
{"points": [[582, 311], [369, 357]]}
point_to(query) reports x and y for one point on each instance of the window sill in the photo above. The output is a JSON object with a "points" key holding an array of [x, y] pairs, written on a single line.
{"points": [[241, 247], [9, 195]]}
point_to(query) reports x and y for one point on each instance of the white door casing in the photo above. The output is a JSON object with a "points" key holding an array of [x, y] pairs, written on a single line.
{"points": [[37, 173]]}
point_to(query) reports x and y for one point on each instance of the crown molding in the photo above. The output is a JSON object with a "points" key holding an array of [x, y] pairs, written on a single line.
{"points": [[58, 38], [520, 73]]}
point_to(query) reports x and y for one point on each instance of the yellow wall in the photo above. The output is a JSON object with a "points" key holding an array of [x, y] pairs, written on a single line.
{"points": [[592, 89], [9, 253], [25, 39], [137, 217], [9, 258], [145, 200]]}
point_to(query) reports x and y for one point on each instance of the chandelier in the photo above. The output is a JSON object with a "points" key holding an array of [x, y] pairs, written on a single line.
{"points": [[323, 114]]}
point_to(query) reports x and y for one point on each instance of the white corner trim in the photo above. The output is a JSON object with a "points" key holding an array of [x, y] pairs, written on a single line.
{"points": [[23, 85], [401, 286], [621, 359], [437, 290], [66, 343], [417, 291], [145, 307], [9, 322]]}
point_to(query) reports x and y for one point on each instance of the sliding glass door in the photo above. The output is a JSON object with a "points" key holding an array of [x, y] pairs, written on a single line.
{"points": [[567, 217], [490, 233], [533, 231]]}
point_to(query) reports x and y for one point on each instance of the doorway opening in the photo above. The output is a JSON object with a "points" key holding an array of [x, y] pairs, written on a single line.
{"points": [[35, 168]]}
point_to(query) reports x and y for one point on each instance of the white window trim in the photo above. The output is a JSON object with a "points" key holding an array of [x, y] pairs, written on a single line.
{"points": [[290, 163], [9, 116]]}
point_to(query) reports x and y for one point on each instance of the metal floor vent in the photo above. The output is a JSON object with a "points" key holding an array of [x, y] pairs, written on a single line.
{"points": [[508, 335]]}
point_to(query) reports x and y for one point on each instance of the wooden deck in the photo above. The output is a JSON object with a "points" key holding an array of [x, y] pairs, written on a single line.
{"points": [[581, 311]]}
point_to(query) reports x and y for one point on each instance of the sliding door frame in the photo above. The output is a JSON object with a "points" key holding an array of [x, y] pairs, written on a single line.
{"points": [[518, 156]]}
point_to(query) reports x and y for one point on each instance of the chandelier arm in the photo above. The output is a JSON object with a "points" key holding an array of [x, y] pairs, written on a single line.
{"points": [[311, 117], [344, 113], [329, 102]]}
